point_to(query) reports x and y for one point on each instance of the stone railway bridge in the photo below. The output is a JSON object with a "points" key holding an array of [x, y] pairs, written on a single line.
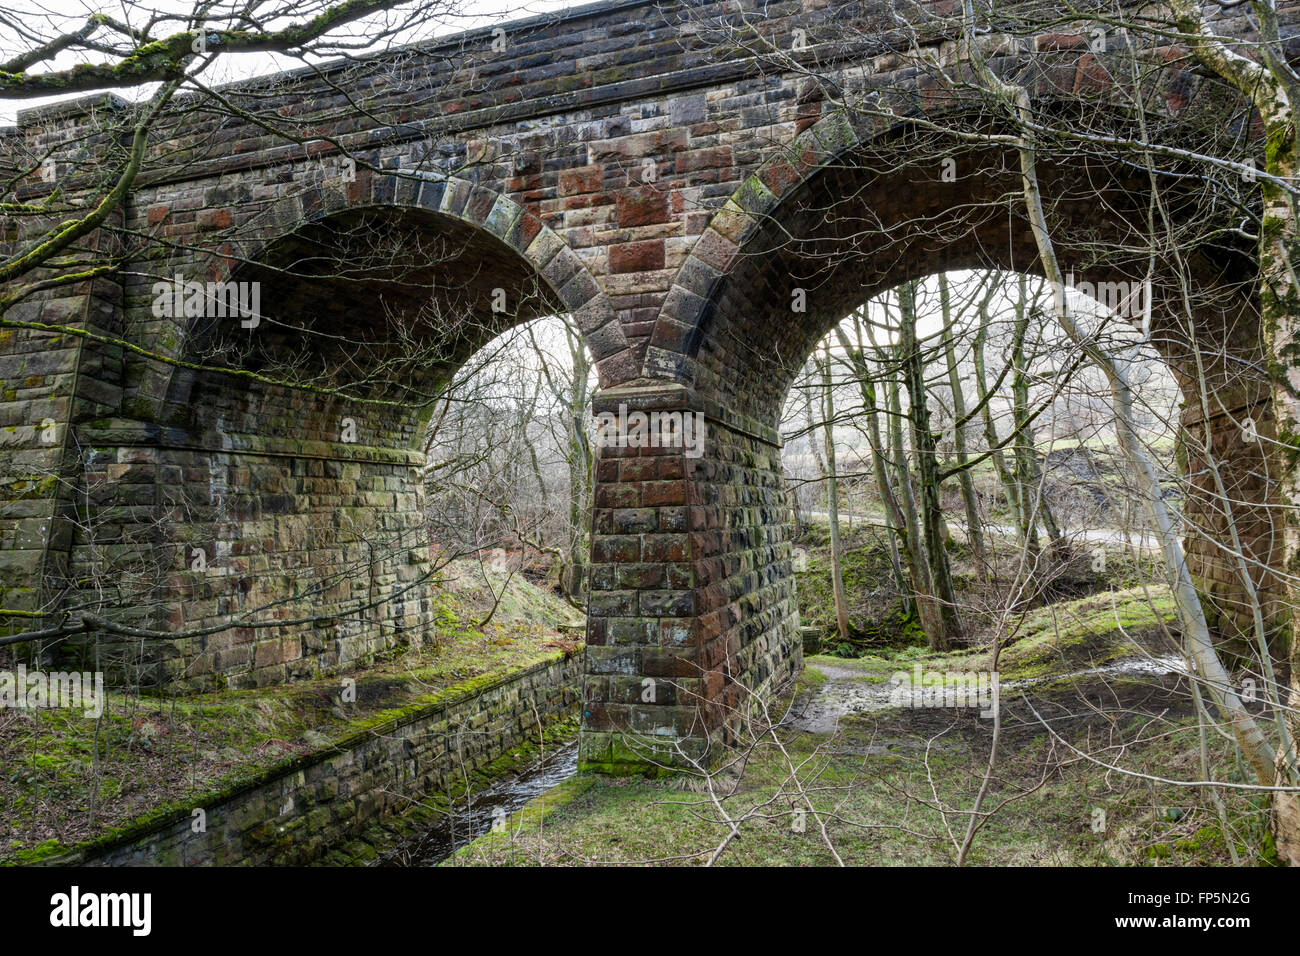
{"points": [[620, 162]]}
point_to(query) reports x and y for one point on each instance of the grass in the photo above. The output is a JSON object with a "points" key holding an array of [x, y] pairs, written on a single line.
{"points": [[879, 809], [889, 785], [1092, 630]]}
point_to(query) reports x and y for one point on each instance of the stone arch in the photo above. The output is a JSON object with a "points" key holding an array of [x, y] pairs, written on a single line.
{"points": [[722, 278], [313, 504], [728, 342], [493, 214], [758, 203]]}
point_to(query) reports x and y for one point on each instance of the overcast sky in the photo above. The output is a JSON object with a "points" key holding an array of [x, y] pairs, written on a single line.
{"points": [[46, 19]]}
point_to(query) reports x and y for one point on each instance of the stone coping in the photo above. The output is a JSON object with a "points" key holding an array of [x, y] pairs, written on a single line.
{"points": [[121, 433]]}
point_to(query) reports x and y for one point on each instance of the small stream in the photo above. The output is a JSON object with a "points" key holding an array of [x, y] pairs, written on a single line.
{"points": [[503, 797]]}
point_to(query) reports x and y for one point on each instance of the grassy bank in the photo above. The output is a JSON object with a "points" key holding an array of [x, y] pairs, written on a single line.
{"points": [[879, 619], [68, 779]]}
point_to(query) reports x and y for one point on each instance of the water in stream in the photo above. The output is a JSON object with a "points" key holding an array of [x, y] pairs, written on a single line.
{"points": [[502, 798]]}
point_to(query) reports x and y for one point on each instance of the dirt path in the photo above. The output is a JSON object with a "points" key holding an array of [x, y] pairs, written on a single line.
{"points": [[851, 690]]}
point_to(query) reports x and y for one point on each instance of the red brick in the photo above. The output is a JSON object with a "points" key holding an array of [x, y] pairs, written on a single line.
{"points": [[210, 219], [617, 496], [642, 206], [654, 493], [718, 157], [637, 469], [672, 467], [1062, 41], [644, 256], [574, 182]]}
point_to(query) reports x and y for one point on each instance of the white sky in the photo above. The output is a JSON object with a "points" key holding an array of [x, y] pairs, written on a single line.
{"points": [[45, 19]]}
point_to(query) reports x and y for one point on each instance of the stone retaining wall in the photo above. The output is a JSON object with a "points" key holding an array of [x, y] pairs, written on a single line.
{"points": [[294, 814]]}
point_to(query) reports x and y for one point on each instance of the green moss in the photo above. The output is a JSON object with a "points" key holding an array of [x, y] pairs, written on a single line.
{"points": [[42, 851], [753, 195], [878, 618], [1206, 838]]}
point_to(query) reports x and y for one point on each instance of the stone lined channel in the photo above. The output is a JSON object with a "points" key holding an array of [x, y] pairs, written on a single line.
{"points": [[502, 798]]}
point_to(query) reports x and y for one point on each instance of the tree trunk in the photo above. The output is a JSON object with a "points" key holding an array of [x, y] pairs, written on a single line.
{"points": [[990, 428], [832, 497], [974, 527], [922, 590], [1034, 507], [894, 520], [944, 595], [581, 463], [1022, 444]]}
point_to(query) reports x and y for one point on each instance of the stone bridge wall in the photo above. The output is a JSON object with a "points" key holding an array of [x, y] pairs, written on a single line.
{"points": [[635, 173]]}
